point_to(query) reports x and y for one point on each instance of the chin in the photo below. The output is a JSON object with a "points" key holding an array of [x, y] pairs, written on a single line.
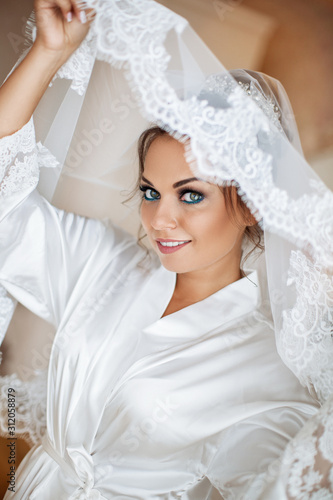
{"points": [[175, 267]]}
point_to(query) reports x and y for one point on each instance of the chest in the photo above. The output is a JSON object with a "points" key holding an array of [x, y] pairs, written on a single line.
{"points": [[115, 355]]}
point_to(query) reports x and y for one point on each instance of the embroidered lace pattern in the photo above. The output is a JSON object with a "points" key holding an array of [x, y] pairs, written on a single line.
{"points": [[226, 147], [19, 168], [30, 406], [79, 65], [306, 337], [307, 460], [20, 160], [30, 396], [224, 142], [305, 469]]}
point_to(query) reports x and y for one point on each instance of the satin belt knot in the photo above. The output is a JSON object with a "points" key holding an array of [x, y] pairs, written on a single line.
{"points": [[79, 467]]}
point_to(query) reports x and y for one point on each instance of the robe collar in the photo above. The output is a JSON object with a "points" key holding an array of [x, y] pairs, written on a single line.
{"points": [[224, 306]]}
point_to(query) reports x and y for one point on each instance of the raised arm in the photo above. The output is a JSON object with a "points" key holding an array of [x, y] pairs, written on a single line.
{"points": [[61, 27], [43, 250]]}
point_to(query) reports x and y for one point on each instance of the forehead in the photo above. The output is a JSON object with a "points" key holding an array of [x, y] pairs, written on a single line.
{"points": [[166, 159]]}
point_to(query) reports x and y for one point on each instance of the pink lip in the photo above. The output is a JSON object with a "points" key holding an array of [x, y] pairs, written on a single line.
{"points": [[163, 249]]}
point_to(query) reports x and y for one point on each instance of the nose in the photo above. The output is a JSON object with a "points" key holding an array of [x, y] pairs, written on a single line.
{"points": [[164, 217]]}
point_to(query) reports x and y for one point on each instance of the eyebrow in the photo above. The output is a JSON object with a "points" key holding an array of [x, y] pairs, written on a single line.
{"points": [[176, 184]]}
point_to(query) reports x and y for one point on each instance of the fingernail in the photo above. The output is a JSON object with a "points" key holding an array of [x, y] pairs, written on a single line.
{"points": [[83, 17], [69, 17]]}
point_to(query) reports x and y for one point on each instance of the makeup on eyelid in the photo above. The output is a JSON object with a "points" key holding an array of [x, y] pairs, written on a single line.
{"points": [[180, 192]]}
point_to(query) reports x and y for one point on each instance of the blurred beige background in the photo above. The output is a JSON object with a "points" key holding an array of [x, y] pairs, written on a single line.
{"points": [[291, 40]]}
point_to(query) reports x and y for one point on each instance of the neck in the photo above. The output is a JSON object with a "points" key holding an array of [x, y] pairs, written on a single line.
{"points": [[194, 286]]}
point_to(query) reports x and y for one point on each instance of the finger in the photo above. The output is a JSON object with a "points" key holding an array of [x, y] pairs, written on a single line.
{"points": [[65, 7], [79, 7]]}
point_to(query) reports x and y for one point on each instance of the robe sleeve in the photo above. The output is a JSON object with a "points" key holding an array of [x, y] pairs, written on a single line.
{"points": [[43, 250], [251, 454]]}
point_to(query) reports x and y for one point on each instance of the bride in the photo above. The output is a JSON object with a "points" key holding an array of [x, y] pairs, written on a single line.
{"points": [[164, 378]]}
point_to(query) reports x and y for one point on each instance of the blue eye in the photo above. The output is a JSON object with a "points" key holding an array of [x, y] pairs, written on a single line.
{"points": [[192, 197], [149, 194], [186, 196]]}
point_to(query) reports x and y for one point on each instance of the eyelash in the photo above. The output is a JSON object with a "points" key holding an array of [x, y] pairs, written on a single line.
{"points": [[181, 194]]}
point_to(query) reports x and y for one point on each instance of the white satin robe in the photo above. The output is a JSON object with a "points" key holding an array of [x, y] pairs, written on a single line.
{"points": [[140, 407]]}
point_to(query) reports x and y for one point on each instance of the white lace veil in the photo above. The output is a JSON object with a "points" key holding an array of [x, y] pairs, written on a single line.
{"points": [[152, 68]]}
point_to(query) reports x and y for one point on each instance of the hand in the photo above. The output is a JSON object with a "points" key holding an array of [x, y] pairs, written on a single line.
{"points": [[61, 25]]}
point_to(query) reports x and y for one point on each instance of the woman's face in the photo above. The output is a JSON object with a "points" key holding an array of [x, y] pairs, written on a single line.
{"points": [[185, 218]]}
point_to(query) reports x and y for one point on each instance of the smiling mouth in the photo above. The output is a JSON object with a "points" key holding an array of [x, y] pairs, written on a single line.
{"points": [[171, 246]]}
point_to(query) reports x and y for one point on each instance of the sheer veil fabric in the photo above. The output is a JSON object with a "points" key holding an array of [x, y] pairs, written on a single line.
{"points": [[140, 64], [158, 72]]}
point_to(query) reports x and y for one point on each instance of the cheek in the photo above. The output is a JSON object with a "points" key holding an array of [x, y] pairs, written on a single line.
{"points": [[218, 228]]}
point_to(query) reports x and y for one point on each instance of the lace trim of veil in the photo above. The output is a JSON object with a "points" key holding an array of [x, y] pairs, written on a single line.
{"points": [[224, 147], [305, 469]]}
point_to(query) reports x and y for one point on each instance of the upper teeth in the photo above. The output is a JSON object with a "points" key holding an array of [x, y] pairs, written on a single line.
{"points": [[172, 243]]}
